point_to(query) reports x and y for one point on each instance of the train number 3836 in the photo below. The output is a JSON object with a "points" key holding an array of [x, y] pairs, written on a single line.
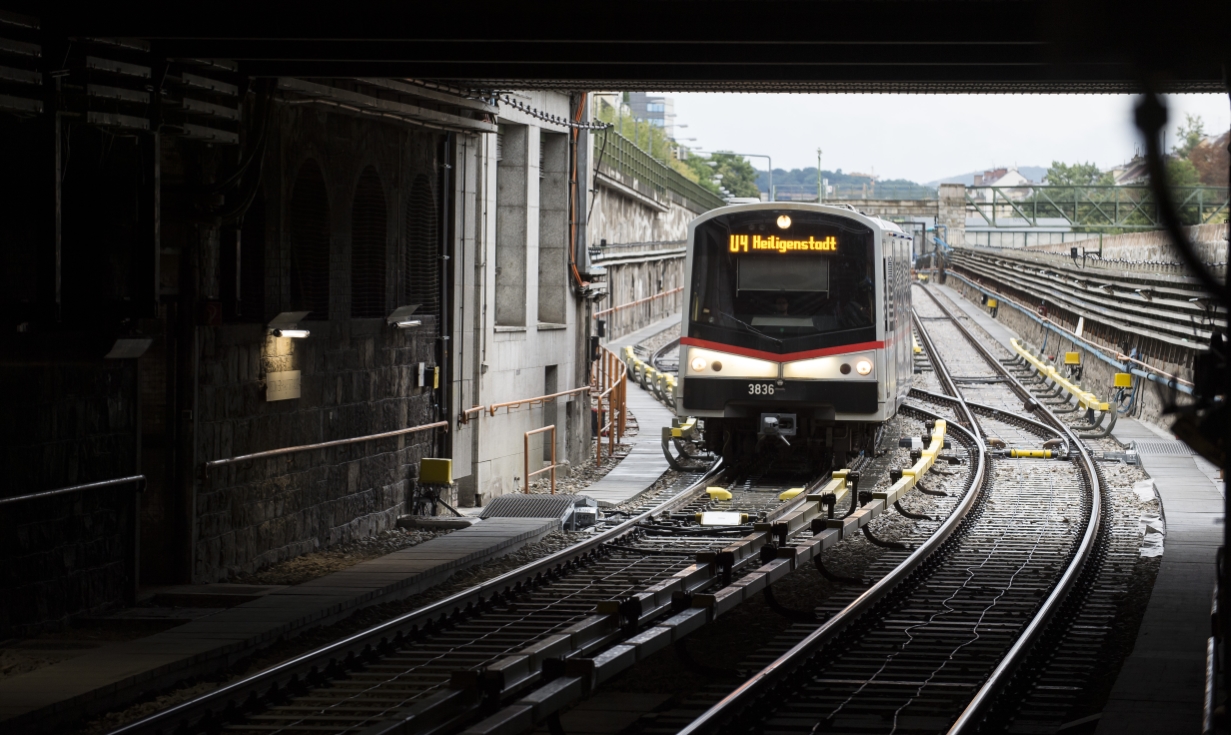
{"points": [[760, 389]]}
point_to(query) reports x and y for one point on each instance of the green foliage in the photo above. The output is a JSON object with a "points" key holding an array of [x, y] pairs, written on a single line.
{"points": [[1182, 172], [1189, 135], [738, 176], [1076, 174]]}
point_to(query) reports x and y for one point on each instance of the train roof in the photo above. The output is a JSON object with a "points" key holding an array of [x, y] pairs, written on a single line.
{"points": [[844, 210]]}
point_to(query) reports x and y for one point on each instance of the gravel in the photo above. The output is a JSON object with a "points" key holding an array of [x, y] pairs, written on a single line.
{"points": [[336, 558]]}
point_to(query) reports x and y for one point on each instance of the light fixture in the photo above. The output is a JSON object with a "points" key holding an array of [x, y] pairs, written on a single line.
{"points": [[698, 363], [400, 317], [784, 221], [286, 324], [863, 367]]}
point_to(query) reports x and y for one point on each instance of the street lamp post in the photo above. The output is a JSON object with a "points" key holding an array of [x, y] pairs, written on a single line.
{"points": [[820, 183]]}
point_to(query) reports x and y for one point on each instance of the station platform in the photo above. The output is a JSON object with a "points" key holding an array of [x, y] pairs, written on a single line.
{"points": [[645, 462], [1161, 685], [42, 699]]}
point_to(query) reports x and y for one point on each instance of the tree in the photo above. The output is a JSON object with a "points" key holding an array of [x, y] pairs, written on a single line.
{"points": [[1077, 174], [1189, 135], [1210, 160], [738, 176]]}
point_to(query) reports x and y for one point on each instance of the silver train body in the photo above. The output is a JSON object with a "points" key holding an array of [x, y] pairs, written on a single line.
{"points": [[796, 316]]}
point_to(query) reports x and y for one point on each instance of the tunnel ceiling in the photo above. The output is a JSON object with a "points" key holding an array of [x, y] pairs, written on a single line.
{"points": [[980, 46]]}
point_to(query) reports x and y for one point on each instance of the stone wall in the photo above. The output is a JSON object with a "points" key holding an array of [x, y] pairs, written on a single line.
{"points": [[1150, 248], [358, 378], [622, 214], [636, 272], [65, 424], [358, 375]]}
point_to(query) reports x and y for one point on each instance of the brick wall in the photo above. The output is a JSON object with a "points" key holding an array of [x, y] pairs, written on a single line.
{"points": [[62, 425], [358, 378], [358, 375]]}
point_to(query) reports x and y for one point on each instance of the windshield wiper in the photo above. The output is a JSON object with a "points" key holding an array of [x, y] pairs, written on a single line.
{"points": [[749, 327]]}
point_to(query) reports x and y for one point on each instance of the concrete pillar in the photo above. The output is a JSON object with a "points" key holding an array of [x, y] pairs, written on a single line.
{"points": [[951, 213]]}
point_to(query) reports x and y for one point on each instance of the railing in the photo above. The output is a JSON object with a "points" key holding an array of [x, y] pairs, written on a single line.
{"points": [[130, 508], [320, 445], [609, 378], [650, 176], [526, 457], [541, 400], [631, 304], [1092, 207], [138, 480]]}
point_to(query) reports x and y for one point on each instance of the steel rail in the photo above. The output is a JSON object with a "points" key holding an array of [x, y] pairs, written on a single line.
{"points": [[277, 677], [971, 717], [713, 719]]}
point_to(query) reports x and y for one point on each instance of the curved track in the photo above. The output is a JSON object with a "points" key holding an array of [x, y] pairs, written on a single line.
{"points": [[933, 643]]}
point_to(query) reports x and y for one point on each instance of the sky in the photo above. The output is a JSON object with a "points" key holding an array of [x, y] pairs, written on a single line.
{"points": [[927, 137]]}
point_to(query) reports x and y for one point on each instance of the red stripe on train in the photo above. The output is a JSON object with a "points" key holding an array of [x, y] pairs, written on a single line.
{"points": [[788, 357]]}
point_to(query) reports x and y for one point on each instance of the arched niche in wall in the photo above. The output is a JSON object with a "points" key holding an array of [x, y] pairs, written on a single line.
{"points": [[368, 254], [421, 262], [308, 219]]}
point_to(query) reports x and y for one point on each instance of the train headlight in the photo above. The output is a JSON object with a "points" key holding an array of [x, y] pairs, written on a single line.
{"points": [[698, 363], [863, 367], [784, 221]]}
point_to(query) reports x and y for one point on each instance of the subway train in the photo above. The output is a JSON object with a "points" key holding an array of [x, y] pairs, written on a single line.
{"points": [[796, 328]]}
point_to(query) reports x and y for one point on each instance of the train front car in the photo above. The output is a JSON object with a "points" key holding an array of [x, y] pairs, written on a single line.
{"points": [[796, 329]]}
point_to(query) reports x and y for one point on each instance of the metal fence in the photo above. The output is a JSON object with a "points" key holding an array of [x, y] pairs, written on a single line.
{"points": [[1092, 208], [614, 152]]}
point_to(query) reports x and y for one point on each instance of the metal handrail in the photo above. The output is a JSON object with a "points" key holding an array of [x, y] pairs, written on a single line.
{"points": [[610, 371], [138, 479], [631, 304], [526, 457], [322, 445], [537, 399]]}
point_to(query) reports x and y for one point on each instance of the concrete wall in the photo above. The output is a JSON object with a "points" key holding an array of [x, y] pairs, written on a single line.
{"points": [[951, 213], [514, 361], [1098, 376]]}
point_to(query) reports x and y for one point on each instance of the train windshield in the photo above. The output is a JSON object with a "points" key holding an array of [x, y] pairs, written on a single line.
{"points": [[783, 281]]}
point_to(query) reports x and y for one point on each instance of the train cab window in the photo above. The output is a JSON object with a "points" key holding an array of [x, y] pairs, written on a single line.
{"points": [[759, 285]]}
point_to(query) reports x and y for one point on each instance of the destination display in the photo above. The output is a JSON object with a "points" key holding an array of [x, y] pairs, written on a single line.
{"points": [[775, 244]]}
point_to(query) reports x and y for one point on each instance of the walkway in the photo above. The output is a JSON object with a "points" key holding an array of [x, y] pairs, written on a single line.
{"points": [[1161, 685], [122, 671], [645, 462]]}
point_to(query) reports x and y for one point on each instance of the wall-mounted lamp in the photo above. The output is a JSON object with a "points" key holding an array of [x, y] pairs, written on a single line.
{"points": [[286, 324], [400, 317]]}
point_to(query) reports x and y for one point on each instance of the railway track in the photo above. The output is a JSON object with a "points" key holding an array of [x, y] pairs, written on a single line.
{"points": [[441, 665], [932, 645], [919, 646]]}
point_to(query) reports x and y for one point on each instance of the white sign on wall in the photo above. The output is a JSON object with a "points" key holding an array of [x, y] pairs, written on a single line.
{"points": [[281, 386]]}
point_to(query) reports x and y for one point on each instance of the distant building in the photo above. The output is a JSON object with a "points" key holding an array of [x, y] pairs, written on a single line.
{"points": [[658, 111], [1133, 172], [1002, 177]]}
